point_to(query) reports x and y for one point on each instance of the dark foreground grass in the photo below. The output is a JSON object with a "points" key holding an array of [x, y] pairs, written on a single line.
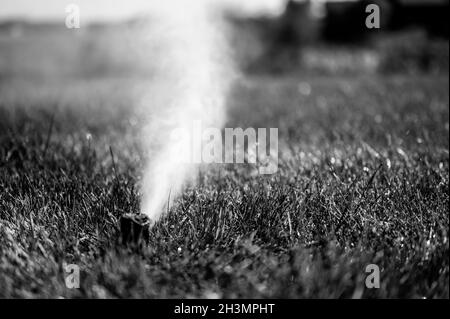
{"points": [[363, 179]]}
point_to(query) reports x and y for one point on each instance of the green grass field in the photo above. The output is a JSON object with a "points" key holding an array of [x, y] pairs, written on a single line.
{"points": [[363, 179]]}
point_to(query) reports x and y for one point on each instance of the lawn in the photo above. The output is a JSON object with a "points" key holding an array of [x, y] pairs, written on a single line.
{"points": [[363, 179]]}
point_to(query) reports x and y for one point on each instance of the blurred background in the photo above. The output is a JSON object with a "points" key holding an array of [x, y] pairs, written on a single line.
{"points": [[272, 37]]}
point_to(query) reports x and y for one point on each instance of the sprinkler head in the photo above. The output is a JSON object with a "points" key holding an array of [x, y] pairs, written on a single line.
{"points": [[135, 230]]}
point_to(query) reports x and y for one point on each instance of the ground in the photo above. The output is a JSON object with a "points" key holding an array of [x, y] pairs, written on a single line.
{"points": [[363, 179]]}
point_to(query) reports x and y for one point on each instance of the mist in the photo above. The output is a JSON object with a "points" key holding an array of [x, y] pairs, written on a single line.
{"points": [[193, 74]]}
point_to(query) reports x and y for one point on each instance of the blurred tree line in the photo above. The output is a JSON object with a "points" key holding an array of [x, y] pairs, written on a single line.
{"points": [[413, 34]]}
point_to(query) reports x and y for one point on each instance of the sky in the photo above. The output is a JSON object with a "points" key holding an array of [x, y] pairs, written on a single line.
{"points": [[95, 10]]}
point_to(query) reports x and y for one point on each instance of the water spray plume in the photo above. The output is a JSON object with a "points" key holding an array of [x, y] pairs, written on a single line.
{"points": [[193, 76]]}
